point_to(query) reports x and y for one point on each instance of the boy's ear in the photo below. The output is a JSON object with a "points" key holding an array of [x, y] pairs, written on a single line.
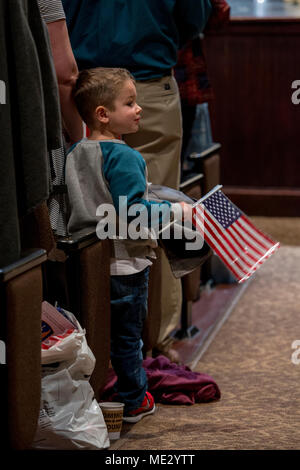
{"points": [[102, 114]]}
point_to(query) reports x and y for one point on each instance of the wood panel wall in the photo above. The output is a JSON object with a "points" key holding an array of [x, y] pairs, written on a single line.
{"points": [[252, 65]]}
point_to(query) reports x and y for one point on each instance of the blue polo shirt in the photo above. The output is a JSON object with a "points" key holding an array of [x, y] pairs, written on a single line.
{"points": [[140, 35]]}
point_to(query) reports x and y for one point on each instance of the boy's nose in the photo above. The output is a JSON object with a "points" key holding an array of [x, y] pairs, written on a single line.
{"points": [[139, 109]]}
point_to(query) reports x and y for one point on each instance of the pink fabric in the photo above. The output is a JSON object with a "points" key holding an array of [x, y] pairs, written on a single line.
{"points": [[170, 383]]}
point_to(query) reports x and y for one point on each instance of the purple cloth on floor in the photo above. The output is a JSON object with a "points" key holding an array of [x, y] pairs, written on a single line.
{"points": [[170, 383]]}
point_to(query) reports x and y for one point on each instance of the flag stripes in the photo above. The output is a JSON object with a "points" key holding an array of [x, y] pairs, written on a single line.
{"points": [[235, 234], [219, 247], [235, 259], [241, 246], [232, 249]]}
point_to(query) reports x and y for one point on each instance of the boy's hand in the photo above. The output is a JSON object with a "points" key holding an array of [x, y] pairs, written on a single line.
{"points": [[187, 211]]}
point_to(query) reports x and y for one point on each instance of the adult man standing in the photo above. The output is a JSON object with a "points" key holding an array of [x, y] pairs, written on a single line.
{"points": [[144, 37]]}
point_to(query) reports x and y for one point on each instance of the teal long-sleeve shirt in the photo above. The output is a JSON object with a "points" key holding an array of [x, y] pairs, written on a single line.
{"points": [[125, 172], [98, 172]]}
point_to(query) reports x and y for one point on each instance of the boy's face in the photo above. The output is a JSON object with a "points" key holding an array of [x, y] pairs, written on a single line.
{"points": [[125, 117]]}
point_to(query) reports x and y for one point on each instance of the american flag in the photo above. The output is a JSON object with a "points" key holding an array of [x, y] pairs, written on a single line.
{"points": [[233, 237]]}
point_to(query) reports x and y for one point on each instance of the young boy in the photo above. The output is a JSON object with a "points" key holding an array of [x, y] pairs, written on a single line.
{"points": [[102, 169]]}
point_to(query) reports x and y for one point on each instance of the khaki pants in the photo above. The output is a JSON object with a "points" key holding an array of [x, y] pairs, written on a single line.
{"points": [[159, 138], [159, 141]]}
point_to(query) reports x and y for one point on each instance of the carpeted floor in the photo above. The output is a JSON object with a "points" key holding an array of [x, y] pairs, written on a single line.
{"points": [[251, 361], [286, 230]]}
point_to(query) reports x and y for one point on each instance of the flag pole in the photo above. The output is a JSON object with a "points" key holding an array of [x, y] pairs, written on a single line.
{"points": [[212, 191]]}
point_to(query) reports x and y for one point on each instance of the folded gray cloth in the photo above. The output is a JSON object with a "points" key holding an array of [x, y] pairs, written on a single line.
{"points": [[182, 260]]}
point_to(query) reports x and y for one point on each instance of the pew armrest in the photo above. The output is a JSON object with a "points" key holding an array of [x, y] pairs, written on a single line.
{"points": [[28, 260], [78, 240], [215, 147]]}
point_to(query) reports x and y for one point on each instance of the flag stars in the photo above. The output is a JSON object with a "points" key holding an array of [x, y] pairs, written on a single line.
{"points": [[222, 209]]}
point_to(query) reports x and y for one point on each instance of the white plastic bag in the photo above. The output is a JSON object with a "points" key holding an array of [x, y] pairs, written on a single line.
{"points": [[72, 351], [70, 417]]}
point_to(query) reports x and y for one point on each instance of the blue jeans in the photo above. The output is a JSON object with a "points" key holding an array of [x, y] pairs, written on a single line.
{"points": [[129, 302]]}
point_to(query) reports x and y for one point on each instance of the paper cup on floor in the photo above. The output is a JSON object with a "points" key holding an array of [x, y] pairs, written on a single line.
{"points": [[113, 416]]}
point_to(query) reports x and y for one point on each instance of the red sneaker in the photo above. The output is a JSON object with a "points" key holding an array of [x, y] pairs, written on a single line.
{"points": [[147, 408]]}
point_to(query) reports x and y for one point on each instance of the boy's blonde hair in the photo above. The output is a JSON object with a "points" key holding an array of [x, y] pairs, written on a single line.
{"points": [[98, 87]]}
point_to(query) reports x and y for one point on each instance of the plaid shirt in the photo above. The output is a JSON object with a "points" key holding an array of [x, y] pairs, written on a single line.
{"points": [[191, 71]]}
